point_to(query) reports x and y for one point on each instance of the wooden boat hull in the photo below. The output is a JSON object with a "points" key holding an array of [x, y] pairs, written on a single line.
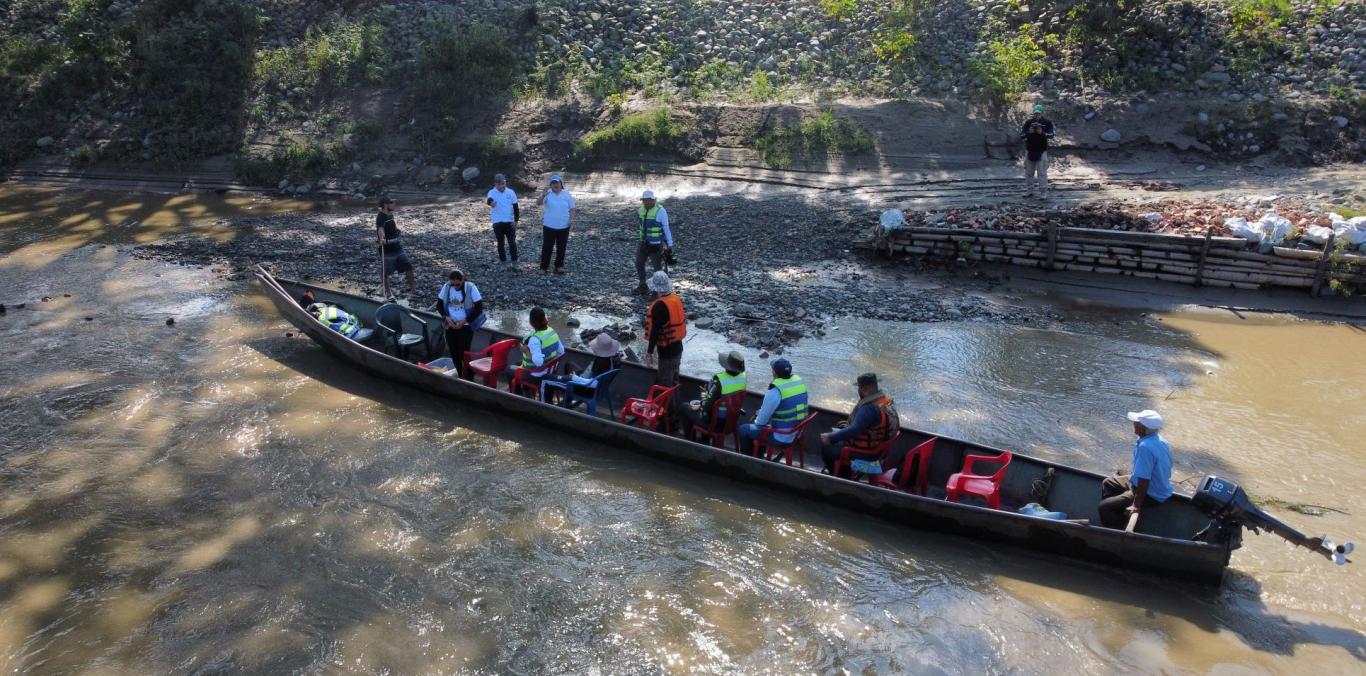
{"points": [[1161, 545]]}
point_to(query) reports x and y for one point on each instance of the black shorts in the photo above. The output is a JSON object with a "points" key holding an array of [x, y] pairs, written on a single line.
{"points": [[397, 263]]}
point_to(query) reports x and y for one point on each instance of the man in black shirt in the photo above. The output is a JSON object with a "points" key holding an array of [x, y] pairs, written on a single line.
{"points": [[1036, 131], [391, 245]]}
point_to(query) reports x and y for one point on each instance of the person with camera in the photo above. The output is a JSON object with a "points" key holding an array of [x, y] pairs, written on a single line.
{"points": [[656, 241], [1036, 132]]}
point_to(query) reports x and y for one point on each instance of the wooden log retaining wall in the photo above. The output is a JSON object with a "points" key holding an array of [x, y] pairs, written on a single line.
{"points": [[1202, 260]]}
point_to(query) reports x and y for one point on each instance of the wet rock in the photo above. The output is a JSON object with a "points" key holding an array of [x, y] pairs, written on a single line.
{"points": [[1110, 136], [470, 173], [572, 322], [705, 323], [170, 321], [1340, 121], [46, 142]]}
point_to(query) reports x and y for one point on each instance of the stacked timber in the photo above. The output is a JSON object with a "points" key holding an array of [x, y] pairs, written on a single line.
{"points": [[1207, 260]]}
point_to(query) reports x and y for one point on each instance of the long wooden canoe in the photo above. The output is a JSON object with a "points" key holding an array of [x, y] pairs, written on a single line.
{"points": [[1162, 543]]}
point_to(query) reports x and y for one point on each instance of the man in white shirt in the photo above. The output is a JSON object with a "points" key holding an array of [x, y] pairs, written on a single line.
{"points": [[505, 216], [557, 218]]}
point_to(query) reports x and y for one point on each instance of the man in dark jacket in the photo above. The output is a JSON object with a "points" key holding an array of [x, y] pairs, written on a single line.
{"points": [[1036, 131], [873, 421]]}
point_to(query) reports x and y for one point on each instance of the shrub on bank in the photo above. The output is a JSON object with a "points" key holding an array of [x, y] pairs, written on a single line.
{"points": [[654, 130], [815, 138]]}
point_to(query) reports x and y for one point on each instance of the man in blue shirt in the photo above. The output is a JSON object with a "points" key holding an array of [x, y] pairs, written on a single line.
{"points": [[1149, 484], [785, 405]]}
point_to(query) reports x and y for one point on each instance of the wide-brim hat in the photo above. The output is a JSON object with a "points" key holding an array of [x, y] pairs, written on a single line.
{"points": [[604, 345], [659, 282], [731, 361]]}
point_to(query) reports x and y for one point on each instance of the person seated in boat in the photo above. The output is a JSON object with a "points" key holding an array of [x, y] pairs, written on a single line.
{"points": [[1150, 481], [873, 421], [336, 319], [784, 407], [540, 347], [606, 352], [729, 380]]}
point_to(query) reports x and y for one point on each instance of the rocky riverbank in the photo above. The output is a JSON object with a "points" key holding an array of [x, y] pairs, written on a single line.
{"points": [[763, 273]]}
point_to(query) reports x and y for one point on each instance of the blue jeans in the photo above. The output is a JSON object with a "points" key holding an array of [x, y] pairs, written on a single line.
{"points": [[749, 433]]}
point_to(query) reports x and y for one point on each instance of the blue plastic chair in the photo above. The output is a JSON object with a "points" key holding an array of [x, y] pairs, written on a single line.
{"points": [[602, 392]]}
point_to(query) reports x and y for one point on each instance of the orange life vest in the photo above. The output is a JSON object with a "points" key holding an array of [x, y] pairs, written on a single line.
{"points": [[888, 425], [677, 326]]}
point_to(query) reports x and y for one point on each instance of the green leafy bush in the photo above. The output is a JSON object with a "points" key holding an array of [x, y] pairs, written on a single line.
{"points": [[653, 130], [839, 9], [760, 88], [456, 66], [815, 137], [1006, 70], [296, 162], [333, 57]]}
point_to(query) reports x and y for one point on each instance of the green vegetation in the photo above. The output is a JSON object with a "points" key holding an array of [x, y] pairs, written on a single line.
{"points": [[187, 64], [653, 130], [1006, 71], [1254, 32], [839, 9], [295, 162], [814, 138], [760, 88], [339, 55], [896, 41], [716, 75]]}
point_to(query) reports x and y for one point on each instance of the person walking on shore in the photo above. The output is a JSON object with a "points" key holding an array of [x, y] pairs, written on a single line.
{"points": [[463, 310], [1036, 132], [666, 324], [655, 238], [557, 218], [391, 245], [505, 215]]}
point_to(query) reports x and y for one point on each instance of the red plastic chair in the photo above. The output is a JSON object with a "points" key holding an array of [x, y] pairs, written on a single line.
{"points": [[848, 452], [771, 449], [716, 431], [490, 362], [652, 411], [982, 486], [523, 385], [898, 479]]}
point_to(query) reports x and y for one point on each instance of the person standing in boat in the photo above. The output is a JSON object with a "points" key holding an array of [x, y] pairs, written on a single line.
{"points": [[873, 421], [539, 348], [463, 310], [1148, 484], [391, 244], [728, 381], [666, 324], [784, 407]]}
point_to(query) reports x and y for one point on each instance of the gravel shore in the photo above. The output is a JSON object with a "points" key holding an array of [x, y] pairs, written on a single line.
{"points": [[763, 273]]}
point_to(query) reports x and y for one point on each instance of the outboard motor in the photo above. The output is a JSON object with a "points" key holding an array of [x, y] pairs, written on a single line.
{"points": [[1226, 502]]}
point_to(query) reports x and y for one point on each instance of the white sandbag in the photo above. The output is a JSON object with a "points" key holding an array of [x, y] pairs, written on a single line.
{"points": [[1275, 227], [1316, 234], [1251, 232], [1153, 217], [1352, 236], [892, 219]]}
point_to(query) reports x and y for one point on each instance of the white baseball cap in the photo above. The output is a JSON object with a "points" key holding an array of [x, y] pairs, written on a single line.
{"points": [[1148, 418], [647, 195]]}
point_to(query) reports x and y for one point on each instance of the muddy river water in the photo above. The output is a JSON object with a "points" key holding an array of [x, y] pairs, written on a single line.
{"points": [[217, 497]]}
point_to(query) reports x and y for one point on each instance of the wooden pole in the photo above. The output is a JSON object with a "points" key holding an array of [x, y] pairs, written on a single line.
{"points": [[1204, 253], [1133, 523], [1052, 245], [383, 278], [1322, 266]]}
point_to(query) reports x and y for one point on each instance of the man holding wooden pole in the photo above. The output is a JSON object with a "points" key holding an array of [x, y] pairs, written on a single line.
{"points": [[391, 256]]}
